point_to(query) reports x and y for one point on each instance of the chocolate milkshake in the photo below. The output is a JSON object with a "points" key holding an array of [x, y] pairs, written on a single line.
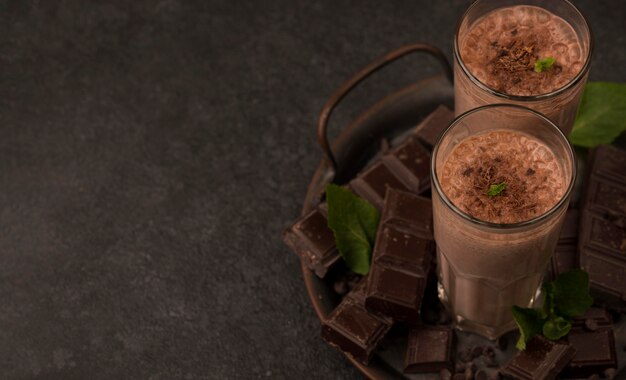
{"points": [[523, 54], [501, 190]]}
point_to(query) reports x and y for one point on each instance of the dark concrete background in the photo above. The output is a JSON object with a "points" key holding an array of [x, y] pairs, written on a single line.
{"points": [[151, 152]]}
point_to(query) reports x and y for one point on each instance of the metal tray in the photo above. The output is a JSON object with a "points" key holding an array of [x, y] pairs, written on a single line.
{"points": [[389, 118]]}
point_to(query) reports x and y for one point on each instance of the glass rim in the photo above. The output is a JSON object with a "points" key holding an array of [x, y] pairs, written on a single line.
{"points": [[447, 202], [579, 77]]}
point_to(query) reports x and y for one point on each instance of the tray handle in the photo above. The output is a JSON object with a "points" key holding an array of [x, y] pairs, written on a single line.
{"points": [[341, 92]]}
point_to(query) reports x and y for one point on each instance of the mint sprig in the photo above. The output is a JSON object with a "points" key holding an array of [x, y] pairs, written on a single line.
{"points": [[564, 298], [496, 189], [544, 64], [354, 222], [601, 117]]}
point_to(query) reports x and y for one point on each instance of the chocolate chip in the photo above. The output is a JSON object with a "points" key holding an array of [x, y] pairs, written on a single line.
{"points": [[459, 367], [610, 373], [471, 365], [530, 171], [591, 324], [445, 374], [514, 32], [477, 351], [481, 375], [469, 374], [468, 171], [340, 287], [465, 355], [490, 361], [489, 351]]}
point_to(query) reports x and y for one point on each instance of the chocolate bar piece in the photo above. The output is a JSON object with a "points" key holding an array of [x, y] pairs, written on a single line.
{"points": [[433, 126], [595, 352], [401, 259], [354, 330], [372, 184], [594, 340], [314, 242], [429, 349], [542, 359], [602, 244], [411, 161], [565, 255]]}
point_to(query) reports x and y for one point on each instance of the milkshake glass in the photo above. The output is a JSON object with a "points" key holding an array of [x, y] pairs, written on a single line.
{"points": [[492, 250], [497, 44]]}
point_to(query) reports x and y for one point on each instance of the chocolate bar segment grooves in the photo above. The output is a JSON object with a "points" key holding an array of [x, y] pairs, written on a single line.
{"points": [[313, 241], [351, 328], [602, 238], [429, 349], [402, 256], [541, 360]]}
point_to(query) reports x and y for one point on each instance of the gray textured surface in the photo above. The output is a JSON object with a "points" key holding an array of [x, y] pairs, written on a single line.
{"points": [[150, 155]]}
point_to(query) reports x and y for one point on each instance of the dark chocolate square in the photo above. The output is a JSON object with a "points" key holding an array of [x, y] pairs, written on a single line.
{"points": [[313, 241], [406, 209], [373, 183], [354, 330], [595, 352], [399, 248], [429, 349], [431, 128], [411, 160], [541, 360], [395, 293]]}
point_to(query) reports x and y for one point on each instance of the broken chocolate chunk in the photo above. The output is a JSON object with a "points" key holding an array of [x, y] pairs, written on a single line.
{"points": [[429, 130], [354, 330], [593, 338], [429, 349], [541, 360], [313, 241]]}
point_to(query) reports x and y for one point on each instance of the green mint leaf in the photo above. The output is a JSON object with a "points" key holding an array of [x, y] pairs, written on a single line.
{"points": [[542, 65], [530, 323], [601, 117], [556, 328], [496, 189], [354, 222], [571, 293]]}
